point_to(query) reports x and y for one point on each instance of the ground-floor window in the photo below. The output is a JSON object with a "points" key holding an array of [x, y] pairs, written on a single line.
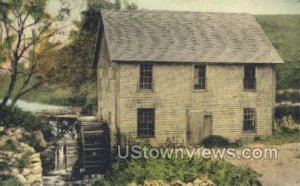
{"points": [[249, 119], [146, 122]]}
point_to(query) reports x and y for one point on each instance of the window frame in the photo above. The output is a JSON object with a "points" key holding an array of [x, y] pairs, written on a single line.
{"points": [[249, 80], [249, 120], [148, 126], [141, 83], [197, 77]]}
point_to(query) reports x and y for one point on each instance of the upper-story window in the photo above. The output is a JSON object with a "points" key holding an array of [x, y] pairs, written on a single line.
{"points": [[199, 76], [146, 76], [249, 77]]}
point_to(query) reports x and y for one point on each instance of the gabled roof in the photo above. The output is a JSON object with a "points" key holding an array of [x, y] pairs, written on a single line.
{"points": [[168, 36]]}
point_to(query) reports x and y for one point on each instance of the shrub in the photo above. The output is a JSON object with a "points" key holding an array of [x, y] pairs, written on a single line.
{"points": [[186, 170], [24, 161], [10, 146], [15, 117], [215, 141], [9, 180], [282, 135], [293, 111]]}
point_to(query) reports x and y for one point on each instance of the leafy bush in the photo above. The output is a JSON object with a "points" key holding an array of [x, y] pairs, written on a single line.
{"points": [[24, 161], [293, 111], [282, 135], [84, 97], [186, 170], [288, 96], [215, 141], [9, 146], [15, 117], [9, 180]]}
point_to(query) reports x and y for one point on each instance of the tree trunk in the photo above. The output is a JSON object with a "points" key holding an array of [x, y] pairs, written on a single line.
{"points": [[10, 88]]}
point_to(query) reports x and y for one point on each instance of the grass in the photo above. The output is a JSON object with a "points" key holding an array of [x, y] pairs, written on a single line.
{"points": [[281, 136], [44, 94], [86, 97], [283, 31]]}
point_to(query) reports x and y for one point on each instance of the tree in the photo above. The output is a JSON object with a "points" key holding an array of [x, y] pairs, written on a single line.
{"points": [[71, 65], [26, 27]]}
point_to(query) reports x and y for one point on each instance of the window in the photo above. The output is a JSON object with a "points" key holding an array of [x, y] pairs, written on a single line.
{"points": [[249, 77], [146, 76], [199, 77], [146, 120], [249, 119]]}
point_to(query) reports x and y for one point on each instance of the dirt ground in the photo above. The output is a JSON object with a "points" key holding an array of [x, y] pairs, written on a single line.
{"points": [[284, 171]]}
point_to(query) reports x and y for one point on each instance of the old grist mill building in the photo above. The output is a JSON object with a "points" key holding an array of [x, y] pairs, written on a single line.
{"points": [[166, 76]]}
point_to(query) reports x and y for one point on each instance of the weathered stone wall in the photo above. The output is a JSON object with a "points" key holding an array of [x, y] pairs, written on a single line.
{"points": [[107, 88], [20, 159]]}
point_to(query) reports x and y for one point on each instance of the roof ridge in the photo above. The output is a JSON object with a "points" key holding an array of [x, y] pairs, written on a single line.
{"points": [[176, 11]]}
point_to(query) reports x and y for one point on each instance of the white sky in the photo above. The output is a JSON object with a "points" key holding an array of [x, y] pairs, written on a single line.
{"points": [[248, 6]]}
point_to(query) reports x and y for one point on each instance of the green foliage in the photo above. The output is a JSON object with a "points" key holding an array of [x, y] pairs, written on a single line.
{"points": [[15, 117], [288, 96], [24, 161], [219, 171], [9, 146], [9, 181], [84, 96], [282, 135], [293, 111], [283, 32], [215, 141]]}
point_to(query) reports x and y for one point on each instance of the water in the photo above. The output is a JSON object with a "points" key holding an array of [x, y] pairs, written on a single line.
{"points": [[38, 107]]}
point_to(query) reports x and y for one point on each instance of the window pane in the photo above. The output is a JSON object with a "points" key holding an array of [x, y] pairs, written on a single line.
{"points": [[199, 77], [249, 119], [249, 77], [145, 76], [146, 119]]}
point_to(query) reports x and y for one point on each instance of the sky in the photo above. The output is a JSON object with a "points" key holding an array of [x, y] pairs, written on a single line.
{"points": [[247, 6]]}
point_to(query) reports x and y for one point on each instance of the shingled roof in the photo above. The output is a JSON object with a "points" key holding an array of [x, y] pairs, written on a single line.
{"points": [[168, 36]]}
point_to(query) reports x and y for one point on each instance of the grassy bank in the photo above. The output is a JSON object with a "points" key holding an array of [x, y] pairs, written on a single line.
{"points": [[283, 31], [85, 96]]}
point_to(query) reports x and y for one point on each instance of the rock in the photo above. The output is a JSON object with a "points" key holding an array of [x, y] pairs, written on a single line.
{"points": [[177, 183], [21, 179], [19, 131], [14, 171], [1, 129], [36, 168], [27, 147], [26, 172], [154, 183], [35, 157], [34, 178], [18, 136]]}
